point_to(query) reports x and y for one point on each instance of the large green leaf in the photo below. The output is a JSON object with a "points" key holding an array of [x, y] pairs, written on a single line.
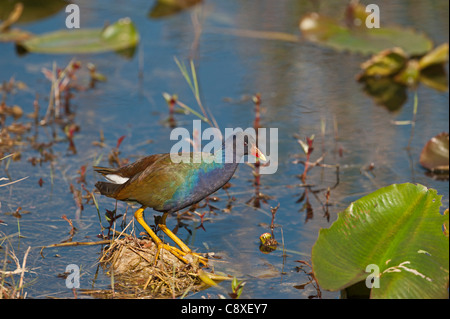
{"points": [[118, 36], [400, 230]]}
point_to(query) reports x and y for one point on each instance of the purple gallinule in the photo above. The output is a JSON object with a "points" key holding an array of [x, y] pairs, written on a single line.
{"points": [[158, 182]]}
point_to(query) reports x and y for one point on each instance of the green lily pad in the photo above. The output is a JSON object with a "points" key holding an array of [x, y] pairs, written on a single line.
{"points": [[385, 63], [438, 55], [32, 10], [118, 36], [435, 154], [328, 32], [387, 74], [164, 8], [410, 74], [397, 230]]}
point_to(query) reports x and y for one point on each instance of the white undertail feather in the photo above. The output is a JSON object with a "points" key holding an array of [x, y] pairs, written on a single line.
{"points": [[116, 179]]}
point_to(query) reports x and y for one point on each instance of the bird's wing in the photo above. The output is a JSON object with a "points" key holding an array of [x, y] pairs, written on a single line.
{"points": [[158, 182]]}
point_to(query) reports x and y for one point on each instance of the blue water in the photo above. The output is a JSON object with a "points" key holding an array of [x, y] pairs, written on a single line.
{"points": [[301, 85]]}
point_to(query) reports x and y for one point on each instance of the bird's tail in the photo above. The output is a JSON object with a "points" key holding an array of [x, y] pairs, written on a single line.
{"points": [[108, 189], [104, 170]]}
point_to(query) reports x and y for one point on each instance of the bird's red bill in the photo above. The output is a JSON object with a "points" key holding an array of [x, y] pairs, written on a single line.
{"points": [[257, 153]]}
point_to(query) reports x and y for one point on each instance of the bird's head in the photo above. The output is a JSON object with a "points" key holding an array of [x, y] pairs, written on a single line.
{"points": [[245, 144], [251, 149]]}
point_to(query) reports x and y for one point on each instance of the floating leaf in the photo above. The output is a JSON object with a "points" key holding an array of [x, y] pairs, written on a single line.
{"points": [[355, 15], [32, 10], [163, 8], [118, 36], [438, 55], [385, 63], [435, 154], [410, 74], [387, 74], [397, 229], [395, 62], [12, 35], [12, 18], [328, 32], [318, 28]]}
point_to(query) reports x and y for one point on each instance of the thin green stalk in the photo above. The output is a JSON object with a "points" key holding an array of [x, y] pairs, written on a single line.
{"points": [[413, 121], [7, 163], [193, 84], [98, 160], [194, 77], [186, 291], [187, 108], [183, 70], [51, 174], [18, 227], [98, 211]]}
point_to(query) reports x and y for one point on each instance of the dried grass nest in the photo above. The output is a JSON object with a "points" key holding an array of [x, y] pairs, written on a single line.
{"points": [[130, 261]]}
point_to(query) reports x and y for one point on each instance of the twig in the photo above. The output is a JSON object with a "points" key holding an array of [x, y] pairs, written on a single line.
{"points": [[23, 271], [13, 182], [76, 243], [273, 210], [311, 274], [54, 91], [12, 18], [72, 228], [9, 155]]}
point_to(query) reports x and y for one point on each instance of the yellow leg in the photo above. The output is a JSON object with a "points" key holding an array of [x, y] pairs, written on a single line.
{"points": [[178, 253], [139, 217], [178, 241]]}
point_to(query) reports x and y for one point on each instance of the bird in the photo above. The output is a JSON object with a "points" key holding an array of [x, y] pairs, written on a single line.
{"points": [[167, 186]]}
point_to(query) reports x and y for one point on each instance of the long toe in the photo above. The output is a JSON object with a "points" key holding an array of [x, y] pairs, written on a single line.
{"points": [[186, 257]]}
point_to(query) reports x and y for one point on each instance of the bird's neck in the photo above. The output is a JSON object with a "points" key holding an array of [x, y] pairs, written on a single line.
{"points": [[226, 157], [220, 164]]}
